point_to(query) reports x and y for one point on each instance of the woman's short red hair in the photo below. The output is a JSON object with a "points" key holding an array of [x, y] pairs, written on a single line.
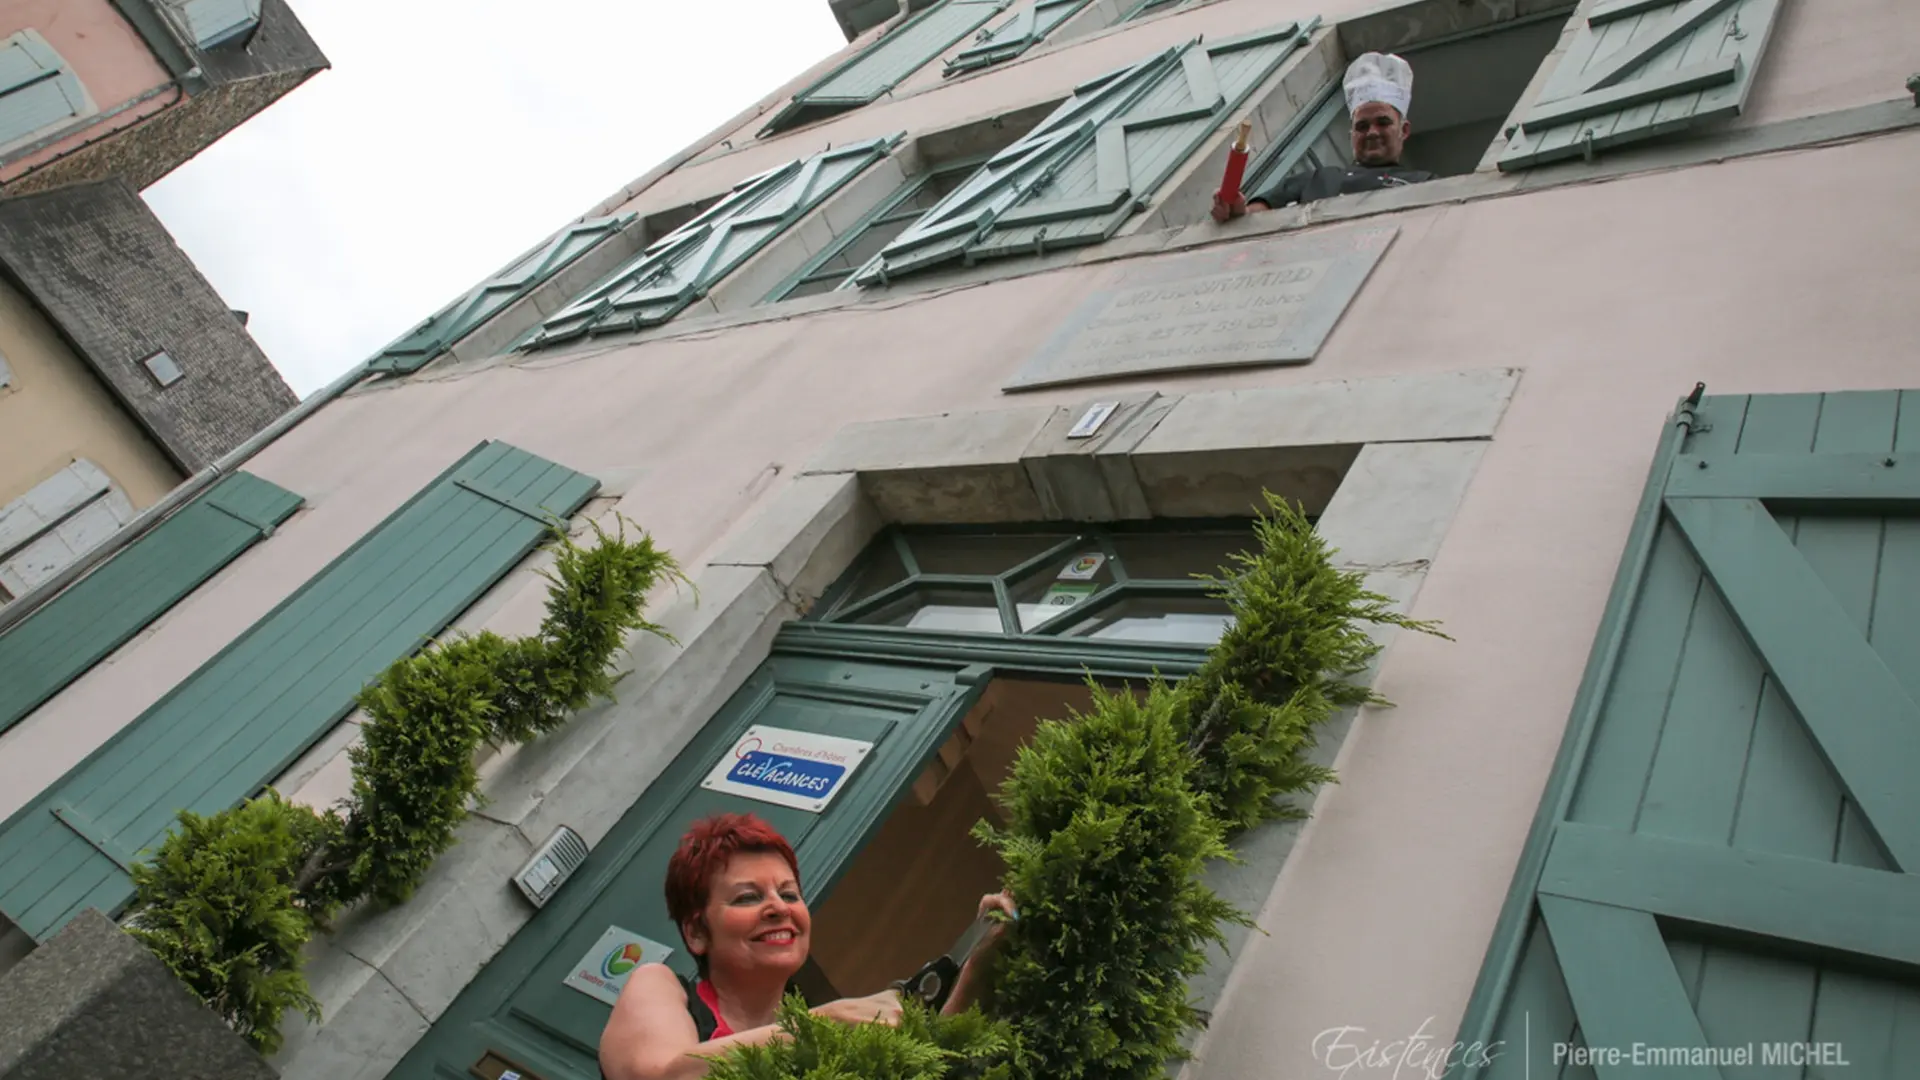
{"points": [[704, 852]]}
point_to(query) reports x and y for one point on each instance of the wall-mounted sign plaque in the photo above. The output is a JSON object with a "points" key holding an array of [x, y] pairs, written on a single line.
{"points": [[1262, 302]]}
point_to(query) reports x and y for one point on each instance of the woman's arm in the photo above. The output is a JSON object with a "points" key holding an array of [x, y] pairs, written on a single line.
{"points": [[967, 986], [651, 1034]]}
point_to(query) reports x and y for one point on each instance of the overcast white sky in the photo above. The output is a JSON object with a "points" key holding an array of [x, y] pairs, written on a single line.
{"points": [[449, 136]]}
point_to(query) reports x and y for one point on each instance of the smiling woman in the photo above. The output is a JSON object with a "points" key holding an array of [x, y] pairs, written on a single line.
{"points": [[733, 889]]}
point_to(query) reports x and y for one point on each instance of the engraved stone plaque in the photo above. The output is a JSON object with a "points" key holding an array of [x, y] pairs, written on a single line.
{"points": [[1262, 302]]}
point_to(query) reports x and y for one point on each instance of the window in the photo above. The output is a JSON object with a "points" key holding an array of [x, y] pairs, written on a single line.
{"points": [[883, 65], [213, 23], [38, 91], [1129, 582], [438, 334], [1096, 161], [163, 369], [1464, 88], [1018, 33], [1631, 70], [683, 266], [834, 268]]}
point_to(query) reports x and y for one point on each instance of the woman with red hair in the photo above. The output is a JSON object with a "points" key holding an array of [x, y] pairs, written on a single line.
{"points": [[733, 889]]}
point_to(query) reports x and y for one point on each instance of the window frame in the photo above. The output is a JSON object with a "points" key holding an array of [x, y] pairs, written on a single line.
{"points": [[838, 608], [883, 212]]}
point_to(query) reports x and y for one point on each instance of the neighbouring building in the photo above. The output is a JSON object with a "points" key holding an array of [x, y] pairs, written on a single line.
{"points": [[936, 374], [122, 372]]}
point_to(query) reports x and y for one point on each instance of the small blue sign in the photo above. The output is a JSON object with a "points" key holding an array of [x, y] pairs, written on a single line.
{"points": [[795, 776], [801, 769]]}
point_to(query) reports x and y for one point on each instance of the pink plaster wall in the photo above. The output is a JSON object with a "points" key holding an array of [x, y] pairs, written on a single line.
{"points": [[1833, 54], [107, 54], [1615, 298]]}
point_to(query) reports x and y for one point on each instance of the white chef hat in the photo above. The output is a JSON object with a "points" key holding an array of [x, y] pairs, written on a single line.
{"points": [[1377, 77]]}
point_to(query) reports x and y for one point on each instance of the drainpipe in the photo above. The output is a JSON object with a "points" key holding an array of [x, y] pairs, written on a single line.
{"points": [[31, 600]]}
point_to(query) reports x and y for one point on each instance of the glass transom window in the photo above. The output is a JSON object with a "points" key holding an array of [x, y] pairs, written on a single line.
{"points": [[1128, 582]]}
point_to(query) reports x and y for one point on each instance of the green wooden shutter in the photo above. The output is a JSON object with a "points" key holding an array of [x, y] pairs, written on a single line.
{"points": [[240, 720], [519, 1007], [59, 642], [886, 63], [438, 334], [682, 266], [1727, 848], [1027, 28], [1637, 69], [1096, 161], [37, 89]]}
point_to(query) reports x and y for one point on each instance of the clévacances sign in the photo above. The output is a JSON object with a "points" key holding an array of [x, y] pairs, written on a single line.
{"points": [[798, 769]]}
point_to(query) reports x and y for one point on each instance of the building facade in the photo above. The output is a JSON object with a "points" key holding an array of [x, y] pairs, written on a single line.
{"points": [[122, 372], [937, 376]]}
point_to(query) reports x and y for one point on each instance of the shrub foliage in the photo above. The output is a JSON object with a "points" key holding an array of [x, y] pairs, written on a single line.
{"points": [[925, 1046], [228, 901]]}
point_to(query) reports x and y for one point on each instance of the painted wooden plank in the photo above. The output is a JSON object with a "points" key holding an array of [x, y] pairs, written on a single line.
{"points": [[1694, 786], [1668, 31], [1621, 9], [886, 63], [1863, 719], [48, 650], [1846, 910], [1638, 92], [1538, 1014], [1623, 985], [1860, 1014], [265, 698], [1621, 754], [1812, 480]]}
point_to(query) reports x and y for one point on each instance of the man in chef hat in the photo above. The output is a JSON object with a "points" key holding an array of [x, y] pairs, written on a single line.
{"points": [[1379, 89]]}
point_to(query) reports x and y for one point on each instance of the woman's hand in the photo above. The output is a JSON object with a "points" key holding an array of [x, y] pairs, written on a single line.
{"points": [[1001, 902], [880, 1008]]}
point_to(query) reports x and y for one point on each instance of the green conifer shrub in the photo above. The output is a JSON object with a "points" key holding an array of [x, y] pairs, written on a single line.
{"points": [[217, 905], [926, 1046]]}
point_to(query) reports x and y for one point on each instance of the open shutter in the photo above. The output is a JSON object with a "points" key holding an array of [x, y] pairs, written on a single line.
{"points": [[212, 23], [682, 266], [1641, 68], [1095, 162], [37, 90], [1025, 29], [438, 334], [240, 720], [60, 641], [1725, 857], [886, 63]]}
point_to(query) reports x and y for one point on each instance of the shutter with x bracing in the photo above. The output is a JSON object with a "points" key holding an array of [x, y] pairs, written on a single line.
{"points": [[490, 297], [886, 63], [1723, 871], [682, 266], [1637, 69], [1096, 161], [1026, 28]]}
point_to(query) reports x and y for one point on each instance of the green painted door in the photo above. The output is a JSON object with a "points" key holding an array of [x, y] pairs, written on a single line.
{"points": [[519, 1008], [1721, 879]]}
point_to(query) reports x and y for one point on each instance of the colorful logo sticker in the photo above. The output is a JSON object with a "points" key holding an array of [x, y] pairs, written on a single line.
{"points": [[621, 959], [777, 772], [1084, 567]]}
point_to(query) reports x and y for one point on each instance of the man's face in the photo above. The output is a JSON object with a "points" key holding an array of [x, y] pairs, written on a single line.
{"points": [[1379, 134]]}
